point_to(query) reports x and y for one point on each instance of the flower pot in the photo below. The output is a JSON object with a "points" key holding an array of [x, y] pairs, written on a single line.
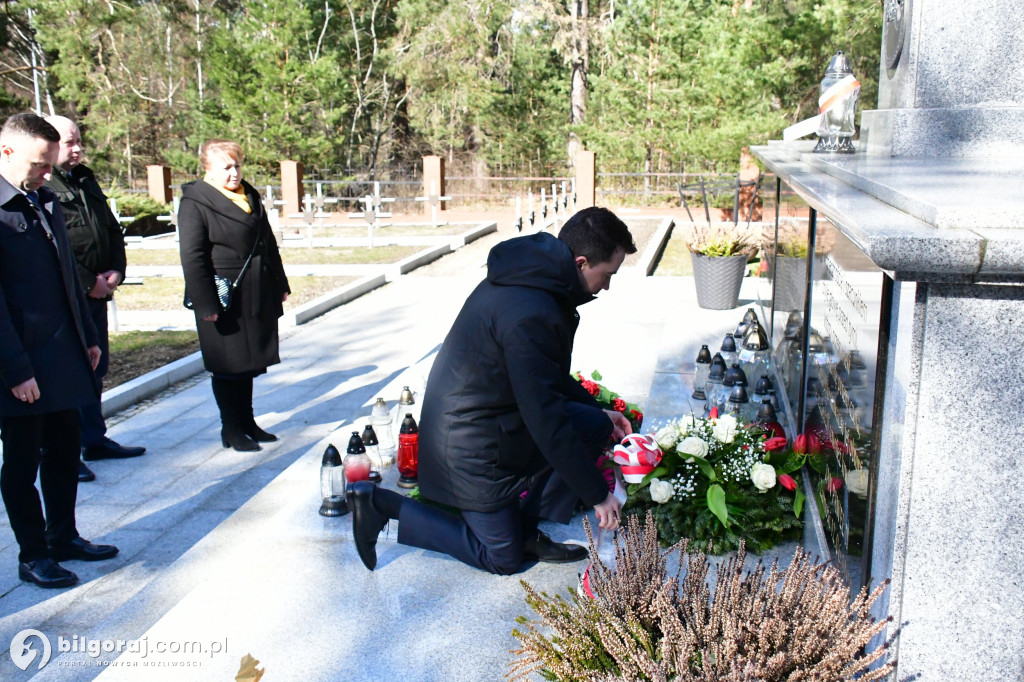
{"points": [[790, 283], [718, 280]]}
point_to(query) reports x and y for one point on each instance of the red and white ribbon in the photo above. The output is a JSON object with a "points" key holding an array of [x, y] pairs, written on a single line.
{"points": [[830, 99], [637, 455]]}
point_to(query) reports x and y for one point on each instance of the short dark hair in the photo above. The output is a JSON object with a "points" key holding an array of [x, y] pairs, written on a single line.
{"points": [[32, 125], [595, 233]]}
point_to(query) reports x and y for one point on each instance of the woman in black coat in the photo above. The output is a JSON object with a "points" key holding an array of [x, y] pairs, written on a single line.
{"points": [[221, 221]]}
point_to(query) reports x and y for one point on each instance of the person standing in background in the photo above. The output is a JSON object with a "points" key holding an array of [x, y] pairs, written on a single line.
{"points": [[98, 243], [48, 353]]}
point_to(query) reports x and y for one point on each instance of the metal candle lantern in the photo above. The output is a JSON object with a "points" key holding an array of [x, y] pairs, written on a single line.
{"points": [[714, 382], [369, 438], [405, 403], [838, 106], [702, 368], [755, 356], [768, 420], [728, 350], [739, 403], [332, 484], [357, 463], [380, 419], [408, 452]]}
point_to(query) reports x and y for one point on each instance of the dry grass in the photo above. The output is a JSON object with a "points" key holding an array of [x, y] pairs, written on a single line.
{"points": [[293, 255], [166, 293]]}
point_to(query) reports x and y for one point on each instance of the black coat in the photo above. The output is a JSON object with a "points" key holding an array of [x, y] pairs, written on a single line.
{"points": [[96, 236], [216, 237], [45, 328], [494, 411]]}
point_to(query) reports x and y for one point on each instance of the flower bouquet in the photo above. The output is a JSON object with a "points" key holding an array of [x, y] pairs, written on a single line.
{"points": [[610, 400], [720, 481]]}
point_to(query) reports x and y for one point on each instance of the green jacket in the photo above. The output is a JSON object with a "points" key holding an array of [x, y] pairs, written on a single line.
{"points": [[94, 232]]}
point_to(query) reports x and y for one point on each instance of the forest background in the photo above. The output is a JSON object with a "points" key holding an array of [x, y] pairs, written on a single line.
{"points": [[364, 88]]}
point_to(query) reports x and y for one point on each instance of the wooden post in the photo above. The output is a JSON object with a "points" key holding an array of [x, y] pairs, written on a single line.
{"points": [[291, 187], [433, 180], [749, 173], [159, 183], [586, 179]]}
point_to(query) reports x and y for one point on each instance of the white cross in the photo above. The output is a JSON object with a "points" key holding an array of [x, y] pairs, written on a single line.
{"points": [[435, 201], [372, 211], [308, 215]]}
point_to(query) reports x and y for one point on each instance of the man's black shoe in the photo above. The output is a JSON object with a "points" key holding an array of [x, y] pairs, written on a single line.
{"points": [[46, 573], [108, 449], [367, 522], [85, 474], [542, 548], [82, 549]]}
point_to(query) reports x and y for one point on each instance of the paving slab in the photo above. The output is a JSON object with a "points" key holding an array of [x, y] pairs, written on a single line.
{"points": [[227, 550]]}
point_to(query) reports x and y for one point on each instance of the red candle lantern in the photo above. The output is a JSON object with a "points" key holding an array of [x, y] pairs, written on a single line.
{"points": [[408, 452], [357, 463]]}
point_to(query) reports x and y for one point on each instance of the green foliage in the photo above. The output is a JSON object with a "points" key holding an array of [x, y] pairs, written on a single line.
{"points": [[367, 84], [139, 206]]}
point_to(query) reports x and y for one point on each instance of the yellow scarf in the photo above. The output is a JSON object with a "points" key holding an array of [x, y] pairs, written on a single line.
{"points": [[237, 197]]}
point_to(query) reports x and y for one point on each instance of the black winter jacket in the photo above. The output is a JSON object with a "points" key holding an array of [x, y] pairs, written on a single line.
{"points": [[95, 234], [45, 327], [216, 237], [494, 410]]}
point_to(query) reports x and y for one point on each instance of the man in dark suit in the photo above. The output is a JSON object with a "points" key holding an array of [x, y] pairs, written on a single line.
{"points": [[48, 351], [98, 243]]}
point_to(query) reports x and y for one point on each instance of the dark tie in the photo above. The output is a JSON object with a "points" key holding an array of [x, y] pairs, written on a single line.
{"points": [[33, 196]]}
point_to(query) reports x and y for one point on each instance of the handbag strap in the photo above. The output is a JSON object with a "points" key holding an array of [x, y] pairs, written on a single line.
{"points": [[248, 260]]}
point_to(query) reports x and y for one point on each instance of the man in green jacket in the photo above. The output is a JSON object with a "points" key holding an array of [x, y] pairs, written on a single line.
{"points": [[98, 244]]}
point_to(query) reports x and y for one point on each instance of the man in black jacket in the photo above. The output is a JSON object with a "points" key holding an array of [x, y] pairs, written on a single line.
{"points": [[98, 244], [48, 351], [507, 436]]}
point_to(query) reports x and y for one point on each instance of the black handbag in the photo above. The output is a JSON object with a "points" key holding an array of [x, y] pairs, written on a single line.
{"points": [[225, 287]]}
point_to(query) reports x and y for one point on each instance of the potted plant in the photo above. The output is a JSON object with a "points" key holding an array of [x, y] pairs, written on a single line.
{"points": [[719, 254], [787, 263]]}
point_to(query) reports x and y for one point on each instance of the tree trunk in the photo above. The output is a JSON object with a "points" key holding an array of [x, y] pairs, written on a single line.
{"points": [[580, 66]]}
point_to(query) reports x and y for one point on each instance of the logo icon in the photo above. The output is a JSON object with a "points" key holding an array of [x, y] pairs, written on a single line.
{"points": [[22, 652]]}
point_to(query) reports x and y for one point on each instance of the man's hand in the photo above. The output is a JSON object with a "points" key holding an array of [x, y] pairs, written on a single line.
{"points": [[608, 513], [210, 318], [94, 355], [284, 297], [27, 391], [620, 425], [102, 288], [114, 278]]}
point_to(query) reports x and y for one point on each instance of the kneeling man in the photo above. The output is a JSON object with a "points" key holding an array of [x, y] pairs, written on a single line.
{"points": [[502, 415]]}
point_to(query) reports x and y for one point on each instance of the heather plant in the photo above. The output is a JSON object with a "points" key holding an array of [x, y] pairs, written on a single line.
{"points": [[766, 624]]}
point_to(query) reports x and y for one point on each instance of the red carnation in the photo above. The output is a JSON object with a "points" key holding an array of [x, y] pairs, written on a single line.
{"points": [[592, 388], [787, 482], [834, 484], [619, 405]]}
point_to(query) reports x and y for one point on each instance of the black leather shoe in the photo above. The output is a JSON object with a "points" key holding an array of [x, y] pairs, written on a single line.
{"points": [[258, 434], [108, 449], [542, 548], [85, 474], [367, 522], [46, 573], [82, 549]]}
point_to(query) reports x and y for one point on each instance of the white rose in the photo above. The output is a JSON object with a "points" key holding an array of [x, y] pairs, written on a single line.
{"points": [[763, 476], [857, 482], [691, 445], [685, 424], [661, 491], [667, 436], [725, 428]]}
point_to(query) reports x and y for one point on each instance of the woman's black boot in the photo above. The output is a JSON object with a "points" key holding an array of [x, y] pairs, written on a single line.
{"points": [[249, 425], [232, 414]]}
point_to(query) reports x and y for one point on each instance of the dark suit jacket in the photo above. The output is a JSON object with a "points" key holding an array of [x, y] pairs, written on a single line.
{"points": [[45, 328]]}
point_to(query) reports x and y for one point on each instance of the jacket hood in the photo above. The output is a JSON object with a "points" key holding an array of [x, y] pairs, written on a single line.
{"points": [[539, 261], [204, 193]]}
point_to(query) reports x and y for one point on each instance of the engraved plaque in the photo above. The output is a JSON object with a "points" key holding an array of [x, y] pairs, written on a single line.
{"points": [[827, 365]]}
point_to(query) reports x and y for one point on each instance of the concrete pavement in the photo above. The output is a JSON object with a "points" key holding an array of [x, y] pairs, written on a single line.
{"points": [[227, 550]]}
